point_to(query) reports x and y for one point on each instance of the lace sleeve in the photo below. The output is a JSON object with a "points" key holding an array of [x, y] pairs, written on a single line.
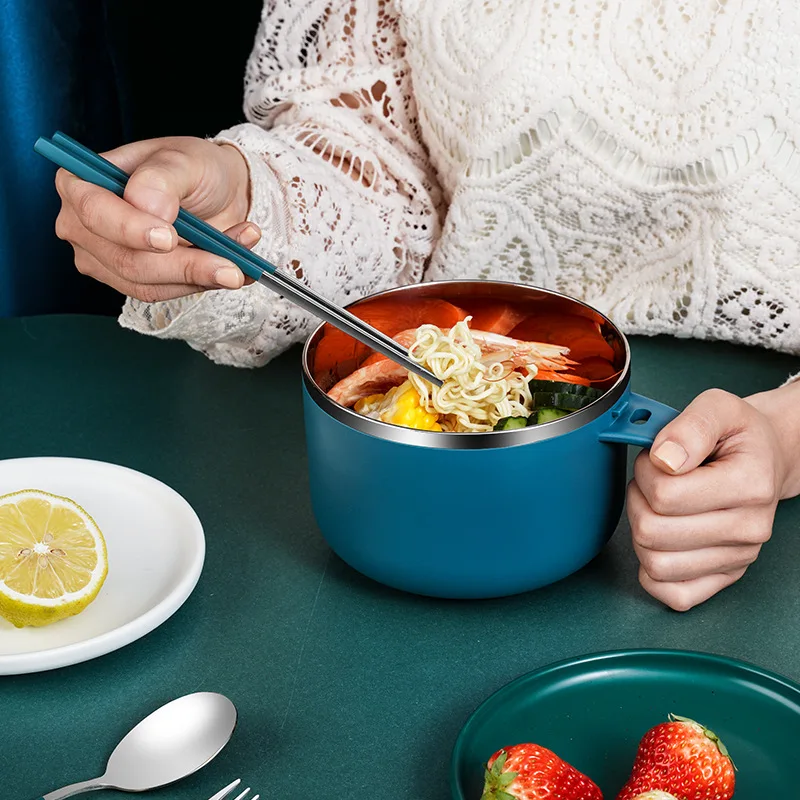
{"points": [[341, 183]]}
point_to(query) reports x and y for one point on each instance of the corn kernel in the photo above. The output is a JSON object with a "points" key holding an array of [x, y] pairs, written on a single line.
{"points": [[402, 407]]}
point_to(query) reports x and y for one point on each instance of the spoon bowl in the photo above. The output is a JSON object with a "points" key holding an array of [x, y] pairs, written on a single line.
{"points": [[175, 741]]}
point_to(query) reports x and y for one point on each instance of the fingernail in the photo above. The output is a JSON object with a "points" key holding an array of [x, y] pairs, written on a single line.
{"points": [[160, 239], [671, 454], [228, 277], [249, 236]]}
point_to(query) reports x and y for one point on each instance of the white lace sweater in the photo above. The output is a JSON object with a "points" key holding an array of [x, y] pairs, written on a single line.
{"points": [[639, 155]]}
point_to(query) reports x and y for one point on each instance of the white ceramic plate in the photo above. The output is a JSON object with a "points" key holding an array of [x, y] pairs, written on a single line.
{"points": [[155, 547]]}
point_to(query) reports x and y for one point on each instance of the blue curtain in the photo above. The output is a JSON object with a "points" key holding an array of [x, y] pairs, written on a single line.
{"points": [[55, 73], [103, 72]]}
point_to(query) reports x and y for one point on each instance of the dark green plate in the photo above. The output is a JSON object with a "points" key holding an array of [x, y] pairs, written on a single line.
{"points": [[594, 710]]}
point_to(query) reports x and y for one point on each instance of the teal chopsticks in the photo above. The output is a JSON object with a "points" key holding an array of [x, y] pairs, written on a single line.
{"points": [[89, 166]]}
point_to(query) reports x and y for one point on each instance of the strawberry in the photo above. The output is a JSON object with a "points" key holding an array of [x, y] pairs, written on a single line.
{"points": [[530, 772], [683, 758]]}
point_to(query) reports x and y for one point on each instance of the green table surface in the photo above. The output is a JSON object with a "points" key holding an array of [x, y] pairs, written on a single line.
{"points": [[345, 688]]}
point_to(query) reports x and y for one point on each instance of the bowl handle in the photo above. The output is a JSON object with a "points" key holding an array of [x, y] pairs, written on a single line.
{"points": [[638, 421]]}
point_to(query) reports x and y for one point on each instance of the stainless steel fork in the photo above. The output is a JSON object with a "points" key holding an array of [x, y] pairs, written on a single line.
{"points": [[222, 794]]}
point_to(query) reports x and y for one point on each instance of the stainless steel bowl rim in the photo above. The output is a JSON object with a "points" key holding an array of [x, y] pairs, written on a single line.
{"points": [[469, 441]]}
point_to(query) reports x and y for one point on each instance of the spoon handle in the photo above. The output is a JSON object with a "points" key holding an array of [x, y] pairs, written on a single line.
{"points": [[76, 788]]}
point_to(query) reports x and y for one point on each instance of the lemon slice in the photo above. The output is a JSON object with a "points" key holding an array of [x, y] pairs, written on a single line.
{"points": [[53, 559]]}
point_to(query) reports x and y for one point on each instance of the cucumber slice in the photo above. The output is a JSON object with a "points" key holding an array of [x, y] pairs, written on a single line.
{"points": [[564, 388], [543, 415], [510, 423], [568, 402]]}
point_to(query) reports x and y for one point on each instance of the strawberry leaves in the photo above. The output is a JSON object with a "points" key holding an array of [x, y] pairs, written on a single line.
{"points": [[496, 780]]}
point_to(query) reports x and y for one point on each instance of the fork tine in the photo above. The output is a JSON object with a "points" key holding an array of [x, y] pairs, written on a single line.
{"points": [[244, 794], [223, 793]]}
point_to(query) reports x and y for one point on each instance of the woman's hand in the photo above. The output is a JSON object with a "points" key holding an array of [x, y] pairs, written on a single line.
{"points": [[703, 499], [131, 244]]}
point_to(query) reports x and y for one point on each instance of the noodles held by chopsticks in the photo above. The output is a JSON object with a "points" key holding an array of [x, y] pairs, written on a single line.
{"points": [[475, 393]]}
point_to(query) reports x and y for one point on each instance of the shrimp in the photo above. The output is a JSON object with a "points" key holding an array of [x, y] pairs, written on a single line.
{"points": [[375, 378], [494, 347]]}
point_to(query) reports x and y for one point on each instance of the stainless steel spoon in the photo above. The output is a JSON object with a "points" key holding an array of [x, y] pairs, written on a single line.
{"points": [[175, 741]]}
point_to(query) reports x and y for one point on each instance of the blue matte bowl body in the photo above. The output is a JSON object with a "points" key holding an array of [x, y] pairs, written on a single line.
{"points": [[465, 523]]}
